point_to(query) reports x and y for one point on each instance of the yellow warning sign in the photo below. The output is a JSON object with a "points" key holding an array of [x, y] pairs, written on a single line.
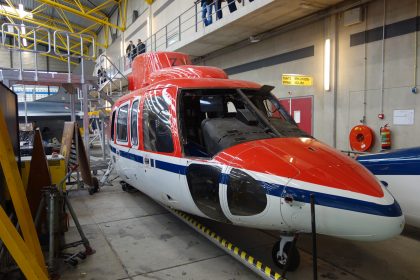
{"points": [[296, 80]]}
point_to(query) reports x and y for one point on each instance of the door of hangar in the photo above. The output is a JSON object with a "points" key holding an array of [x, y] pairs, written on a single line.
{"points": [[301, 109]]}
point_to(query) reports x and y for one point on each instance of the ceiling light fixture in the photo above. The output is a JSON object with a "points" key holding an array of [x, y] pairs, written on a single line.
{"points": [[20, 11]]}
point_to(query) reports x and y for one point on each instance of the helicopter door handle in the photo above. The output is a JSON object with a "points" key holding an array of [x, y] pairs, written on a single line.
{"points": [[288, 198]]}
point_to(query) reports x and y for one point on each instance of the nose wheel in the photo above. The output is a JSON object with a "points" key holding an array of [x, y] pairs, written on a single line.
{"points": [[285, 254]]}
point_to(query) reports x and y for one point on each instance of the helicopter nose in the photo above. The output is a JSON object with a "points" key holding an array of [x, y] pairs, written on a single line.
{"points": [[322, 165], [351, 203]]}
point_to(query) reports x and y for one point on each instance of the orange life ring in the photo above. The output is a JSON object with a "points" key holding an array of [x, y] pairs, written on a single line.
{"points": [[361, 138]]}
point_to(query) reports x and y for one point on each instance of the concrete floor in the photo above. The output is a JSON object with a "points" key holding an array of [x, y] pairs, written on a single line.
{"points": [[135, 238]]}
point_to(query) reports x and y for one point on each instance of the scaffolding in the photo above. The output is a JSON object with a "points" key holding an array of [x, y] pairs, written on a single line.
{"points": [[73, 83]]}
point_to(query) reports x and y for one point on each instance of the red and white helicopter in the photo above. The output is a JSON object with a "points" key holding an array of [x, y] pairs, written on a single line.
{"points": [[194, 140]]}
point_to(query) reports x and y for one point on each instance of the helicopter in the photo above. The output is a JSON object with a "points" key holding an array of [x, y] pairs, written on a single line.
{"points": [[196, 141]]}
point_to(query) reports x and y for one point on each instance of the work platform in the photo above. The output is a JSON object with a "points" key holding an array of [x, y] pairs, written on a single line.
{"points": [[136, 238], [11, 76]]}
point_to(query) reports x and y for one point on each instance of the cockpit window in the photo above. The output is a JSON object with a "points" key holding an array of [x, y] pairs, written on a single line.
{"points": [[212, 120]]}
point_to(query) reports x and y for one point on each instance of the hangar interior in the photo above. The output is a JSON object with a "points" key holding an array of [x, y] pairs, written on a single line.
{"points": [[248, 139]]}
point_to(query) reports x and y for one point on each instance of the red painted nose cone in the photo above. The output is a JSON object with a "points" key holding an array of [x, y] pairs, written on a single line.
{"points": [[320, 164], [304, 159]]}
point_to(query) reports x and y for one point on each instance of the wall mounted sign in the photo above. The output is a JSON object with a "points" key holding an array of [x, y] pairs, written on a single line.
{"points": [[296, 80], [403, 117]]}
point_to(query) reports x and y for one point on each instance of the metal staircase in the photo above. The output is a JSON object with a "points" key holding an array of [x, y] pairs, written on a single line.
{"points": [[112, 83]]}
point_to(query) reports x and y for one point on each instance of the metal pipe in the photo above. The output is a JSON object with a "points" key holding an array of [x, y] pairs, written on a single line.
{"points": [[363, 120], [36, 57], [260, 115], [415, 52], [335, 78], [20, 66], [82, 61], [76, 222], [72, 107], [68, 59], [102, 120], [314, 249], [383, 59], [86, 120], [51, 224], [26, 106]]}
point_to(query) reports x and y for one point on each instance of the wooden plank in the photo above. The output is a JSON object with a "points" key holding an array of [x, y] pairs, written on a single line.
{"points": [[39, 174], [83, 160], [17, 193]]}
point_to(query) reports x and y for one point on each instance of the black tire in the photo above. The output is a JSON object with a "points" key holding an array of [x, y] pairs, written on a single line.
{"points": [[294, 261], [95, 184], [123, 185]]}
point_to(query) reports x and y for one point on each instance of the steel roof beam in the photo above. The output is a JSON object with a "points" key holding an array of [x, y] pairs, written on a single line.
{"points": [[81, 14]]}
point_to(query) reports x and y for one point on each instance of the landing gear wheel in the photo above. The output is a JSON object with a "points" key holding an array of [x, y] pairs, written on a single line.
{"points": [[294, 261], [124, 186], [95, 184]]}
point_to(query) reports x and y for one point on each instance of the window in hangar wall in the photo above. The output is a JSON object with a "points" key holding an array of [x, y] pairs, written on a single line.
{"points": [[33, 92]]}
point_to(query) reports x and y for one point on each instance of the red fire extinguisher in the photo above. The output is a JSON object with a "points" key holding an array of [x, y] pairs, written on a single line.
{"points": [[385, 137]]}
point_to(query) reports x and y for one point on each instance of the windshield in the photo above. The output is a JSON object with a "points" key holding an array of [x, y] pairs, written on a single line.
{"points": [[212, 120]]}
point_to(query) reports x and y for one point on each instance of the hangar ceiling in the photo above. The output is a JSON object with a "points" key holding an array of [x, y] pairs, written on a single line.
{"points": [[73, 16]]}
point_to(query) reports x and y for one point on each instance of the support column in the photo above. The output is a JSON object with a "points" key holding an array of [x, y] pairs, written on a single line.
{"points": [[72, 106], [86, 119]]}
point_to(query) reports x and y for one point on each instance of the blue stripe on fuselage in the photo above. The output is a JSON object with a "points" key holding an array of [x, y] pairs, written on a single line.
{"points": [[397, 162], [322, 199], [334, 201]]}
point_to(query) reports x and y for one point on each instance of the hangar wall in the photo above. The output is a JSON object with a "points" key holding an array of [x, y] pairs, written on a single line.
{"points": [[355, 82], [354, 78]]}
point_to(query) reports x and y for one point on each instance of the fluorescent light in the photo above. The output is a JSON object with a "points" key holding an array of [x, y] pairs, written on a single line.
{"points": [[21, 11], [18, 12], [327, 64], [24, 41]]}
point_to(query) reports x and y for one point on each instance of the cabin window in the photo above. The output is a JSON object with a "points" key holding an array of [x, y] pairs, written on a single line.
{"points": [[122, 123], [112, 125], [246, 197], [157, 134], [203, 182], [134, 127]]}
